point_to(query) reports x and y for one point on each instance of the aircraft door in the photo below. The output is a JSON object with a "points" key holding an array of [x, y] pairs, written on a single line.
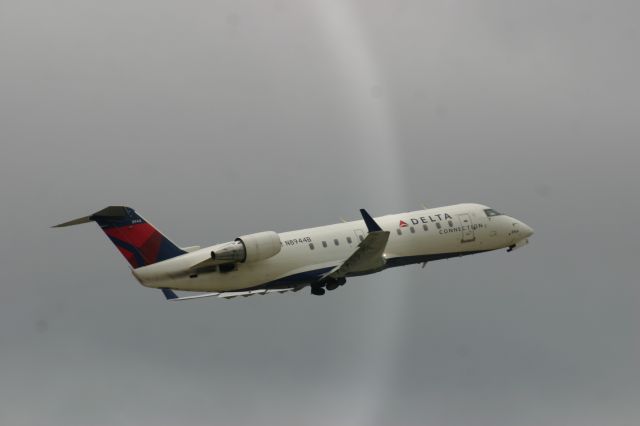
{"points": [[468, 233]]}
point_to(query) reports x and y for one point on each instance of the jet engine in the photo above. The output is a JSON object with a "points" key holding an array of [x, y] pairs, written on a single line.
{"points": [[248, 248]]}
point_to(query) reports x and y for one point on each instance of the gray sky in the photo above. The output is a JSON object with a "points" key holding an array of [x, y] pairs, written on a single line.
{"points": [[215, 119]]}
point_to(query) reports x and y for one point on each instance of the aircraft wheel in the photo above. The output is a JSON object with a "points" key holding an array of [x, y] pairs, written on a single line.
{"points": [[332, 286], [318, 291]]}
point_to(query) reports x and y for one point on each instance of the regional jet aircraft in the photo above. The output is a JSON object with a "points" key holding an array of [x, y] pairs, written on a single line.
{"points": [[321, 258]]}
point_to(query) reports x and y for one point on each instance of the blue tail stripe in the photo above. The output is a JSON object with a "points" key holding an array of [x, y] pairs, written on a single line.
{"points": [[168, 250], [136, 253]]}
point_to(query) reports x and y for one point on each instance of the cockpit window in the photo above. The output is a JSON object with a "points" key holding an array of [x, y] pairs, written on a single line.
{"points": [[491, 212]]}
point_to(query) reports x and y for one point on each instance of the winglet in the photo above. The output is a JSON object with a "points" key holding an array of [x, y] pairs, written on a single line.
{"points": [[169, 294], [371, 224]]}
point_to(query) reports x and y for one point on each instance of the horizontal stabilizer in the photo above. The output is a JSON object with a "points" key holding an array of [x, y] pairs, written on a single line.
{"points": [[78, 221], [111, 213]]}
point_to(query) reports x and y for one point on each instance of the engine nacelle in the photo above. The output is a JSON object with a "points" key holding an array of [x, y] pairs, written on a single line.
{"points": [[249, 248], [261, 245]]}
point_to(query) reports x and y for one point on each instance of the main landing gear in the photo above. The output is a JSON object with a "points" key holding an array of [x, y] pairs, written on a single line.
{"points": [[331, 284], [318, 291]]}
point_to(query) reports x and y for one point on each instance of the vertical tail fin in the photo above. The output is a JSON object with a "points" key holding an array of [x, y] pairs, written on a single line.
{"points": [[138, 241]]}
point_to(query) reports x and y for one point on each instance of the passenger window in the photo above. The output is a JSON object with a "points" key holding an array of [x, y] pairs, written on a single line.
{"points": [[311, 246], [450, 224], [413, 230], [349, 240], [399, 231], [361, 237], [438, 225], [324, 244], [336, 242], [425, 227]]}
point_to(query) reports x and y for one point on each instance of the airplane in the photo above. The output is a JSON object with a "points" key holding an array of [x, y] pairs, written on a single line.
{"points": [[321, 258]]}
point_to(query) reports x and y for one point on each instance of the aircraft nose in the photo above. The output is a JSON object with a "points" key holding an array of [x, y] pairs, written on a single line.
{"points": [[526, 230]]}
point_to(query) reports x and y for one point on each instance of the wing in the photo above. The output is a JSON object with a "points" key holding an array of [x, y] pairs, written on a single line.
{"points": [[232, 294], [368, 255], [171, 296]]}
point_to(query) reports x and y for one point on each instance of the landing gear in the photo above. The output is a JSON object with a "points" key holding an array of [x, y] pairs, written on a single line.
{"points": [[333, 284], [330, 284]]}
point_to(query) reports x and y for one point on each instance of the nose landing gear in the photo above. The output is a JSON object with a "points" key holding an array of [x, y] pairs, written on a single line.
{"points": [[522, 242]]}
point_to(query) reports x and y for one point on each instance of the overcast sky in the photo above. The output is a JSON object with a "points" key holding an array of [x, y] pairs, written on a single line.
{"points": [[216, 119]]}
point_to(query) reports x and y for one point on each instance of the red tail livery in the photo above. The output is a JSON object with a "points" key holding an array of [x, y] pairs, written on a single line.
{"points": [[138, 241]]}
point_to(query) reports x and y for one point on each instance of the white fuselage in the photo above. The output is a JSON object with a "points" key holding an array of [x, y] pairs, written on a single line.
{"points": [[307, 254]]}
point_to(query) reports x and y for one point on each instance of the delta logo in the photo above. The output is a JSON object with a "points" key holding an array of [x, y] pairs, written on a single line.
{"points": [[426, 219]]}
